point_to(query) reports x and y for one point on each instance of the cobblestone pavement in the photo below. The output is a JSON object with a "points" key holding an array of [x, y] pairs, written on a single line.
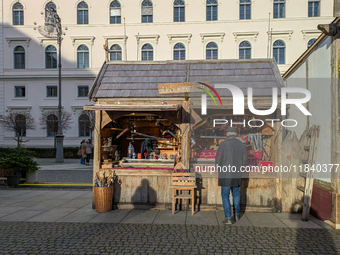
{"points": [[87, 238]]}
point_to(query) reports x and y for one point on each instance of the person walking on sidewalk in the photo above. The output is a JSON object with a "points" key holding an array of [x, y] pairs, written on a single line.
{"points": [[88, 151], [231, 155], [83, 151]]}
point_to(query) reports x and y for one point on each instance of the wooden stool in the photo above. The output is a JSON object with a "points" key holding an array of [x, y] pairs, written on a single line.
{"points": [[183, 181]]}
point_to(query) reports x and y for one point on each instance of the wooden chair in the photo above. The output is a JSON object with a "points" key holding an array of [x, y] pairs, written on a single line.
{"points": [[183, 182]]}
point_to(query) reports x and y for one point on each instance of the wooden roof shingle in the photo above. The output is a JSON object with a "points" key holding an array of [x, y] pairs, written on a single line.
{"points": [[140, 79]]}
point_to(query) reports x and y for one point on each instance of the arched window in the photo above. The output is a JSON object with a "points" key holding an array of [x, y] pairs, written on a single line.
{"points": [[313, 8], [115, 12], [244, 50], [18, 14], [147, 52], [20, 123], [84, 125], [279, 9], [279, 49], [245, 9], [310, 42], [51, 57], [211, 10], [211, 51], [52, 125], [179, 11], [147, 12], [51, 4], [115, 52], [19, 57], [83, 56], [179, 52], [82, 13]]}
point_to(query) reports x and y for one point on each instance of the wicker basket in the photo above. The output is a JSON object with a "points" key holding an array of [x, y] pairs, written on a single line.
{"points": [[103, 198]]}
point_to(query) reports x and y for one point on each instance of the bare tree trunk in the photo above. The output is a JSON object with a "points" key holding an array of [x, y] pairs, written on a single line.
{"points": [[55, 140], [18, 140]]}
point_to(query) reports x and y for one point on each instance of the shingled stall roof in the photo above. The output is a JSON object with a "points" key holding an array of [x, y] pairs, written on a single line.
{"points": [[140, 79]]}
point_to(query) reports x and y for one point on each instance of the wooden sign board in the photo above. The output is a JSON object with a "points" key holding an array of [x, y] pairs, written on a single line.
{"points": [[182, 87]]}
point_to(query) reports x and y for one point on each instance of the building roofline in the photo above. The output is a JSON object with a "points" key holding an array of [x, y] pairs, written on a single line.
{"points": [[188, 61]]}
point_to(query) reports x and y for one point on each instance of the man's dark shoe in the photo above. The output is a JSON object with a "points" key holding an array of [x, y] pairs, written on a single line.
{"points": [[237, 217], [227, 221]]}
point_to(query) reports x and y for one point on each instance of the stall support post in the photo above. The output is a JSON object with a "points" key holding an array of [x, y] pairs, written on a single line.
{"points": [[97, 149], [335, 135], [278, 161], [185, 127]]}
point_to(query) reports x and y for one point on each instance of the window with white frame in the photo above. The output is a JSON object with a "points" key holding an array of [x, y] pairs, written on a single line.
{"points": [[179, 51], [19, 57], [179, 11], [84, 125], [83, 90], [115, 12], [82, 13], [211, 51], [83, 56], [147, 52], [18, 14], [51, 91], [51, 124], [19, 91], [279, 52], [51, 57], [244, 50], [211, 10], [313, 8], [50, 5], [115, 52], [279, 9], [147, 11], [245, 9], [310, 42]]}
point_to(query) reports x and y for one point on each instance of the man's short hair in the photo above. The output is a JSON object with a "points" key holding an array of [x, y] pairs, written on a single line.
{"points": [[232, 130]]}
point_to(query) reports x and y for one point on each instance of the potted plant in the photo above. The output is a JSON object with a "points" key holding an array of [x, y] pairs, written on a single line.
{"points": [[17, 163]]}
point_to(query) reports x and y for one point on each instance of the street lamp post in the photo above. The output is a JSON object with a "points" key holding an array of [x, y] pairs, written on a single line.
{"points": [[52, 29]]}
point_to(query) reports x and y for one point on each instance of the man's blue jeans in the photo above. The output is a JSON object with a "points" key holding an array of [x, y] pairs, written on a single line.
{"points": [[225, 192]]}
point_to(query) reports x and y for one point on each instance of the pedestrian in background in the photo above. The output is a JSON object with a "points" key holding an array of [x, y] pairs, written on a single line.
{"points": [[231, 154], [83, 151], [88, 151]]}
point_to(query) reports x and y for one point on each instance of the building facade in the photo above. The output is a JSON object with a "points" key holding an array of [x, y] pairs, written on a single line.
{"points": [[136, 30]]}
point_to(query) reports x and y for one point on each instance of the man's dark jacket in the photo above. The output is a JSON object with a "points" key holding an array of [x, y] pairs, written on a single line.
{"points": [[234, 153]]}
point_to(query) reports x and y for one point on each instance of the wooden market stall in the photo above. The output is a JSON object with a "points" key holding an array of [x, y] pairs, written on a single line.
{"points": [[142, 133]]}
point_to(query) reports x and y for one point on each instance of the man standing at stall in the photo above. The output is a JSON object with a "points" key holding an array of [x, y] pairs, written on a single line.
{"points": [[230, 157]]}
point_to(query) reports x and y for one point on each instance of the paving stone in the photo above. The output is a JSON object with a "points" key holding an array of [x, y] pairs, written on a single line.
{"points": [[114, 216], [140, 216]]}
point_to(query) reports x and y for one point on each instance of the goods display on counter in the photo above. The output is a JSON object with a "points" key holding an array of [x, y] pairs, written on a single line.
{"points": [[163, 163], [140, 136], [205, 140]]}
